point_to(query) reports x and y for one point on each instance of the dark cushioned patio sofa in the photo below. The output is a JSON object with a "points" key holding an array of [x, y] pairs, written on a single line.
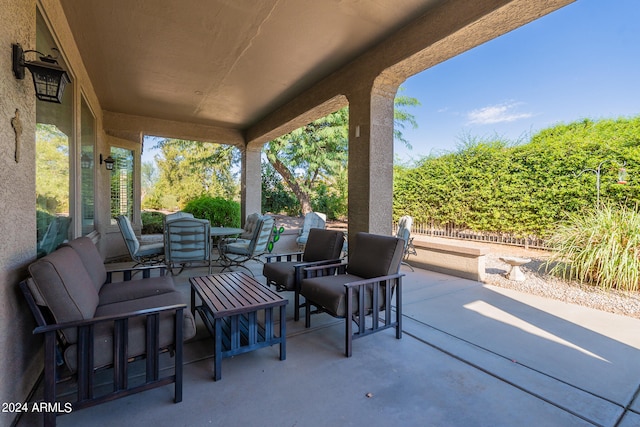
{"points": [[94, 323]]}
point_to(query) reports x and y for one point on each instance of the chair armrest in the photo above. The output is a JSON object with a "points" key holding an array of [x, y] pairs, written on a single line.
{"points": [[325, 270], [287, 257], [127, 272], [299, 269], [372, 280], [121, 316]]}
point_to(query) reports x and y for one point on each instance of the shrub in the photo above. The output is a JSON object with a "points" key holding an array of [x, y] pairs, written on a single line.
{"points": [[152, 222], [601, 247], [220, 212]]}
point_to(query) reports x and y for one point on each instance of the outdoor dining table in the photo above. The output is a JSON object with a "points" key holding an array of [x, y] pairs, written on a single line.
{"points": [[218, 233]]}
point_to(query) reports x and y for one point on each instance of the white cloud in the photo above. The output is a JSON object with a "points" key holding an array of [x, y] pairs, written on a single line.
{"points": [[497, 114]]}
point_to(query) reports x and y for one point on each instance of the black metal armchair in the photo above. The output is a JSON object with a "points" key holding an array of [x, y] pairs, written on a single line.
{"points": [[285, 271], [363, 287]]}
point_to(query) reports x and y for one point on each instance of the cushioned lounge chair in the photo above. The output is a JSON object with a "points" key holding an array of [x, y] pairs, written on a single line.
{"points": [[363, 287], [285, 271]]}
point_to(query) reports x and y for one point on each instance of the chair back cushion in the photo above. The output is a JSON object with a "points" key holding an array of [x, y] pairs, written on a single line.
{"points": [[128, 234], [373, 255], [187, 239], [311, 220], [66, 287], [91, 258], [259, 243], [323, 245], [250, 226], [177, 215]]}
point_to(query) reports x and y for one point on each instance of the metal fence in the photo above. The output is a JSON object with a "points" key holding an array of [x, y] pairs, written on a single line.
{"points": [[453, 232]]}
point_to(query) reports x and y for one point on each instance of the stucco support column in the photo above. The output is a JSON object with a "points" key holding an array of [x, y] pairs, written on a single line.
{"points": [[250, 182], [371, 159]]}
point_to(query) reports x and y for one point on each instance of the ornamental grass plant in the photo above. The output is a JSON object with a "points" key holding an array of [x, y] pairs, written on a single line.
{"points": [[600, 247]]}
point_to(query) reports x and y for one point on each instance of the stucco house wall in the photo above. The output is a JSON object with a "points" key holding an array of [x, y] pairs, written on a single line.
{"points": [[18, 366]]}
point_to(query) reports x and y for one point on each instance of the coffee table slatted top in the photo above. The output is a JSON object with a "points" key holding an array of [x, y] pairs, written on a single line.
{"points": [[232, 293]]}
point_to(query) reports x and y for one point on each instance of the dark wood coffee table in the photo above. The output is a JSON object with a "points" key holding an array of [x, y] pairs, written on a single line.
{"points": [[230, 303]]}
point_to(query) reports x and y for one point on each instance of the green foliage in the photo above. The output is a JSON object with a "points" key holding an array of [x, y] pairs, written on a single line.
{"points": [[312, 161], [275, 197], [220, 212], [152, 222], [600, 246], [52, 166], [522, 189], [188, 169]]}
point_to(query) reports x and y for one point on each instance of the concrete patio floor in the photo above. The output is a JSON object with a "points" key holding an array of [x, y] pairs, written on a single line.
{"points": [[471, 355]]}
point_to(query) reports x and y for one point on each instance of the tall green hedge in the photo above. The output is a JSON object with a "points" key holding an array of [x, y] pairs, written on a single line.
{"points": [[523, 189]]}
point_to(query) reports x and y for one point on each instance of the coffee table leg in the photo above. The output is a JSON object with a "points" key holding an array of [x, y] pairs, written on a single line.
{"points": [[217, 350], [283, 332], [193, 301]]}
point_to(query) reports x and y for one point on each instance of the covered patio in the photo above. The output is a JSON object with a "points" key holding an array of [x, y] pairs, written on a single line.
{"points": [[471, 355], [238, 73]]}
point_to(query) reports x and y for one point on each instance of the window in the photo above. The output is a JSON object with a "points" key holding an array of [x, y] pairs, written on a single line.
{"points": [[54, 144], [122, 189], [87, 167]]}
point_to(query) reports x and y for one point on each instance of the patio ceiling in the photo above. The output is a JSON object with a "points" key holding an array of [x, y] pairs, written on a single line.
{"points": [[253, 70], [226, 62]]}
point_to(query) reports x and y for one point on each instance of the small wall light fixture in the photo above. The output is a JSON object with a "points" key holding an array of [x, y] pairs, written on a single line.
{"points": [[49, 78], [108, 162]]}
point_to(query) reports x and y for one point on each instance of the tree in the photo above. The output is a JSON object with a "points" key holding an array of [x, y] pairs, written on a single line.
{"points": [[317, 153], [52, 166], [188, 169]]}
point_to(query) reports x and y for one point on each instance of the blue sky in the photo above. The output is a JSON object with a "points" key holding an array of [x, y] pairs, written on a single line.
{"points": [[582, 61]]}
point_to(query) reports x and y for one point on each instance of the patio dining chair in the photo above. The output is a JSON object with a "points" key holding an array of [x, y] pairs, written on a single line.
{"points": [[285, 271], [360, 289], [404, 232], [311, 220], [148, 254], [236, 252], [187, 241]]}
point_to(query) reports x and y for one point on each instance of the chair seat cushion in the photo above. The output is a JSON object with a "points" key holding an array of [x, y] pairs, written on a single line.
{"points": [[282, 273], [103, 332], [330, 293], [238, 247], [134, 289], [150, 249]]}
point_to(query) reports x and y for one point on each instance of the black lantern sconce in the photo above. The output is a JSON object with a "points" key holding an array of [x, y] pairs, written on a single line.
{"points": [[49, 78], [108, 162]]}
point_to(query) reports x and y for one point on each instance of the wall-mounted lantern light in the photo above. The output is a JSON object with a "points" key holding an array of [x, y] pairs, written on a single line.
{"points": [[49, 79], [108, 162]]}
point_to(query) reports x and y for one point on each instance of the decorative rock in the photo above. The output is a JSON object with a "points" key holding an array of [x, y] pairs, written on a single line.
{"points": [[515, 262]]}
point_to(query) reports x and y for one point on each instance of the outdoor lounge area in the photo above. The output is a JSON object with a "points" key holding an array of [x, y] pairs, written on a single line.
{"points": [[241, 74], [471, 354]]}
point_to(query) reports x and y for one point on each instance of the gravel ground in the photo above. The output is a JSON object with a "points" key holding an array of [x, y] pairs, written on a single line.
{"points": [[538, 282]]}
